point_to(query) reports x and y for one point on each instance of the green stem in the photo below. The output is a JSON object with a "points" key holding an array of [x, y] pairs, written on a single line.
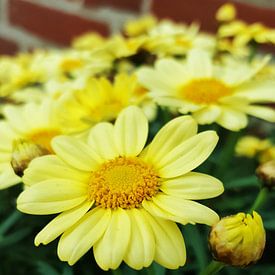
{"points": [[260, 199], [213, 268], [9, 222]]}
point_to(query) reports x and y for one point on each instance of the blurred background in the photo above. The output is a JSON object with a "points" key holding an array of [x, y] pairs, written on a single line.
{"points": [[26, 24]]}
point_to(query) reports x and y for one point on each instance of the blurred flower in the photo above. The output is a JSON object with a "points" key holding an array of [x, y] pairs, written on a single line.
{"points": [[238, 240], [250, 146], [101, 100], [33, 123], [140, 26], [226, 12], [119, 198], [267, 155], [222, 93], [266, 172], [253, 147], [243, 33], [88, 41], [168, 38]]}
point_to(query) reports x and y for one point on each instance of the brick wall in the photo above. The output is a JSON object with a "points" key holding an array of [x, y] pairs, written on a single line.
{"points": [[25, 24]]}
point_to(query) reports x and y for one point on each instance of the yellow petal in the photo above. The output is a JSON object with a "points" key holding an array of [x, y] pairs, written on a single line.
{"points": [[207, 115], [110, 250], [51, 197], [170, 247], [76, 241], [76, 153], [7, 136], [199, 64], [258, 91], [61, 223], [188, 155], [156, 211], [101, 140], [15, 118], [8, 177], [130, 130], [262, 112], [186, 210], [169, 137], [231, 119], [141, 249], [52, 167], [194, 186]]}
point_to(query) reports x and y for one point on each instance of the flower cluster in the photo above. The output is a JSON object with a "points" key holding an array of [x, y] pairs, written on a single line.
{"points": [[105, 134]]}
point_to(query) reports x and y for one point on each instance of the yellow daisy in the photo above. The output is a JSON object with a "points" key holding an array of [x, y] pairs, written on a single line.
{"points": [[101, 100], [119, 198], [222, 93], [31, 123]]}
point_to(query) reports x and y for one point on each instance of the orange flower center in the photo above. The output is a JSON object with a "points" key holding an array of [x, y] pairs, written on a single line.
{"points": [[123, 182], [204, 91]]}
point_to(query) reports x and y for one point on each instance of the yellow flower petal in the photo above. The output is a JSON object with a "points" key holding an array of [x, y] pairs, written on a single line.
{"points": [[262, 112], [194, 186], [187, 210], [110, 250], [232, 119], [15, 118], [101, 140], [141, 249], [188, 155], [169, 137], [156, 211], [170, 247], [61, 223], [207, 115], [75, 242], [49, 167], [51, 197], [258, 91], [130, 130], [75, 153], [8, 177], [199, 64]]}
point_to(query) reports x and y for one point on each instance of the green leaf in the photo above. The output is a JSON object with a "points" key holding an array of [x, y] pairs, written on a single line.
{"points": [[14, 237], [9, 222], [44, 268], [250, 181], [270, 225], [198, 245], [67, 270], [157, 269]]}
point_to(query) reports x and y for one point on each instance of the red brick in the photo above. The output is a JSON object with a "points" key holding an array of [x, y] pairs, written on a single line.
{"points": [[7, 46], [53, 25], [204, 11], [133, 5]]}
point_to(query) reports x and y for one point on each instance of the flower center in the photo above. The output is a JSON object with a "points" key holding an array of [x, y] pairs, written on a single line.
{"points": [[43, 138], [204, 91], [123, 182]]}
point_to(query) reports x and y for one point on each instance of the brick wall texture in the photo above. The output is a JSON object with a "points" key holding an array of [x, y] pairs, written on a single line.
{"points": [[26, 24]]}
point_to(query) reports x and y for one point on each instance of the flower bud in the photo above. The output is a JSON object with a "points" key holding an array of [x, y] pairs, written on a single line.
{"points": [[238, 240], [226, 12], [250, 146], [266, 172], [23, 152]]}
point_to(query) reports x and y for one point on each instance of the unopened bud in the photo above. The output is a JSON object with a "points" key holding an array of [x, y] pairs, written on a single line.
{"points": [[266, 172], [226, 12], [238, 240], [23, 152]]}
